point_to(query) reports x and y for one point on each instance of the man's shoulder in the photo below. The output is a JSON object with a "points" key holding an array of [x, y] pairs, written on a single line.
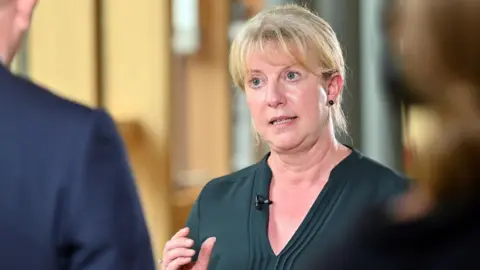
{"points": [[27, 108], [24, 99]]}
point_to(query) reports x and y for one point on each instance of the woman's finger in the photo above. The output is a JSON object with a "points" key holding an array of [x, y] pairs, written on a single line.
{"points": [[181, 233], [179, 240], [180, 252], [178, 263], [178, 243]]}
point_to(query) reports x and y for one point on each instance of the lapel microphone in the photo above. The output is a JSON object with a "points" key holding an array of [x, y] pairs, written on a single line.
{"points": [[260, 201]]}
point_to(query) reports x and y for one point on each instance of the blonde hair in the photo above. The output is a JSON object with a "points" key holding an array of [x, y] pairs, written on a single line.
{"points": [[311, 37]]}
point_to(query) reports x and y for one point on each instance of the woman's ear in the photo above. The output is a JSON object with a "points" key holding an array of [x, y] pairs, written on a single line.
{"points": [[334, 86]]}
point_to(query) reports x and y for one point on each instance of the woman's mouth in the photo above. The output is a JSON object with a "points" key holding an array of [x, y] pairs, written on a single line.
{"points": [[282, 120]]}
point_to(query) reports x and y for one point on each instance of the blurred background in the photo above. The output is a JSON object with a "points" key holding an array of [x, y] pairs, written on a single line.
{"points": [[160, 67]]}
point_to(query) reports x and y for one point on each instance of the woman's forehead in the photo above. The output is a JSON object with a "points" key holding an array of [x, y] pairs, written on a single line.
{"points": [[275, 55], [270, 58]]}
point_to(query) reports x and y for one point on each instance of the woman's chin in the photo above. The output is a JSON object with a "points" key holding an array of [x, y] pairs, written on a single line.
{"points": [[282, 144]]}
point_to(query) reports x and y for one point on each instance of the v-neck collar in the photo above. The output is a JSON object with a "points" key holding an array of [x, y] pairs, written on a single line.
{"points": [[312, 221]]}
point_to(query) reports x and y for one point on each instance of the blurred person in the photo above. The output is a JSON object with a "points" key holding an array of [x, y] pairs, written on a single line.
{"points": [[278, 213], [436, 225], [67, 196]]}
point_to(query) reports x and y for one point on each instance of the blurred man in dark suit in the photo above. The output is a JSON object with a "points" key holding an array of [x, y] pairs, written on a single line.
{"points": [[67, 196]]}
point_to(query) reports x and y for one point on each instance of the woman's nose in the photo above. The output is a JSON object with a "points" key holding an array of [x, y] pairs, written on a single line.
{"points": [[275, 96]]}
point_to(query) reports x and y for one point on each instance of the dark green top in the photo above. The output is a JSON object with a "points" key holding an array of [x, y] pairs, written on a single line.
{"points": [[226, 209]]}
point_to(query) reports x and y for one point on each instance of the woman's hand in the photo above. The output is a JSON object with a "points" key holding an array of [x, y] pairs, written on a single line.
{"points": [[178, 252]]}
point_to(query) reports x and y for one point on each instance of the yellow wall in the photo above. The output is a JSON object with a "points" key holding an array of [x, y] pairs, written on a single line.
{"points": [[61, 48], [137, 87]]}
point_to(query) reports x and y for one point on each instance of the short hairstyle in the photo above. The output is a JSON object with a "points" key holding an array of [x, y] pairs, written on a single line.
{"points": [[301, 34]]}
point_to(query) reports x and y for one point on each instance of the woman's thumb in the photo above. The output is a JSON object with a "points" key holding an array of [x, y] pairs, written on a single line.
{"points": [[205, 253]]}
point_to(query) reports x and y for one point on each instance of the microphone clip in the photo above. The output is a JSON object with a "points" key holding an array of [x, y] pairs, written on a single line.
{"points": [[260, 201]]}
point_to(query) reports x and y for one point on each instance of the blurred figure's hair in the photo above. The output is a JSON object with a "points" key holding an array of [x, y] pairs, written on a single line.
{"points": [[299, 33], [441, 54]]}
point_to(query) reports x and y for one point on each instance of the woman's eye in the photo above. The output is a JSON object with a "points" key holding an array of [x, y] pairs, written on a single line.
{"points": [[292, 75], [255, 82]]}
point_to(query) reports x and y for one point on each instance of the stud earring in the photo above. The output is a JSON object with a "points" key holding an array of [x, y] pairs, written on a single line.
{"points": [[331, 102]]}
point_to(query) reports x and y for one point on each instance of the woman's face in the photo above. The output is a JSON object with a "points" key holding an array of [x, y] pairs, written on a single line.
{"points": [[288, 104]]}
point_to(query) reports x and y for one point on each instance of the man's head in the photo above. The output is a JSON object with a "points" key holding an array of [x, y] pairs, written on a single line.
{"points": [[15, 17]]}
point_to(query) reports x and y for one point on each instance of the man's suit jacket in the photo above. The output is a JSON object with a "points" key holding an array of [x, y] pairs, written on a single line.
{"points": [[67, 196]]}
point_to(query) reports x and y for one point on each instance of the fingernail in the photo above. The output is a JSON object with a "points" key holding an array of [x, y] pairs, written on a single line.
{"points": [[189, 241]]}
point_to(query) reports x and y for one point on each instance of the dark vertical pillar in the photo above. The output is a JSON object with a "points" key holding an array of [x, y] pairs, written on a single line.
{"points": [[374, 118], [343, 16], [98, 53]]}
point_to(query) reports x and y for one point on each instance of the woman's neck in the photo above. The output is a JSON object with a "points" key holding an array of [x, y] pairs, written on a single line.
{"points": [[307, 168]]}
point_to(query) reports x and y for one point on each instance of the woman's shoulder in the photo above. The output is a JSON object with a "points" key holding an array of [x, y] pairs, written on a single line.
{"points": [[238, 183], [379, 173], [375, 180]]}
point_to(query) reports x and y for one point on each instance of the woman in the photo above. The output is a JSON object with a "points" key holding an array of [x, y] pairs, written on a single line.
{"points": [[278, 213], [437, 225]]}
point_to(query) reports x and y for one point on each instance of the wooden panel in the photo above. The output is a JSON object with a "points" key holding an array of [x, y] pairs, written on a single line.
{"points": [[202, 113], [209, 94], [61, 48], [137, 93]]}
